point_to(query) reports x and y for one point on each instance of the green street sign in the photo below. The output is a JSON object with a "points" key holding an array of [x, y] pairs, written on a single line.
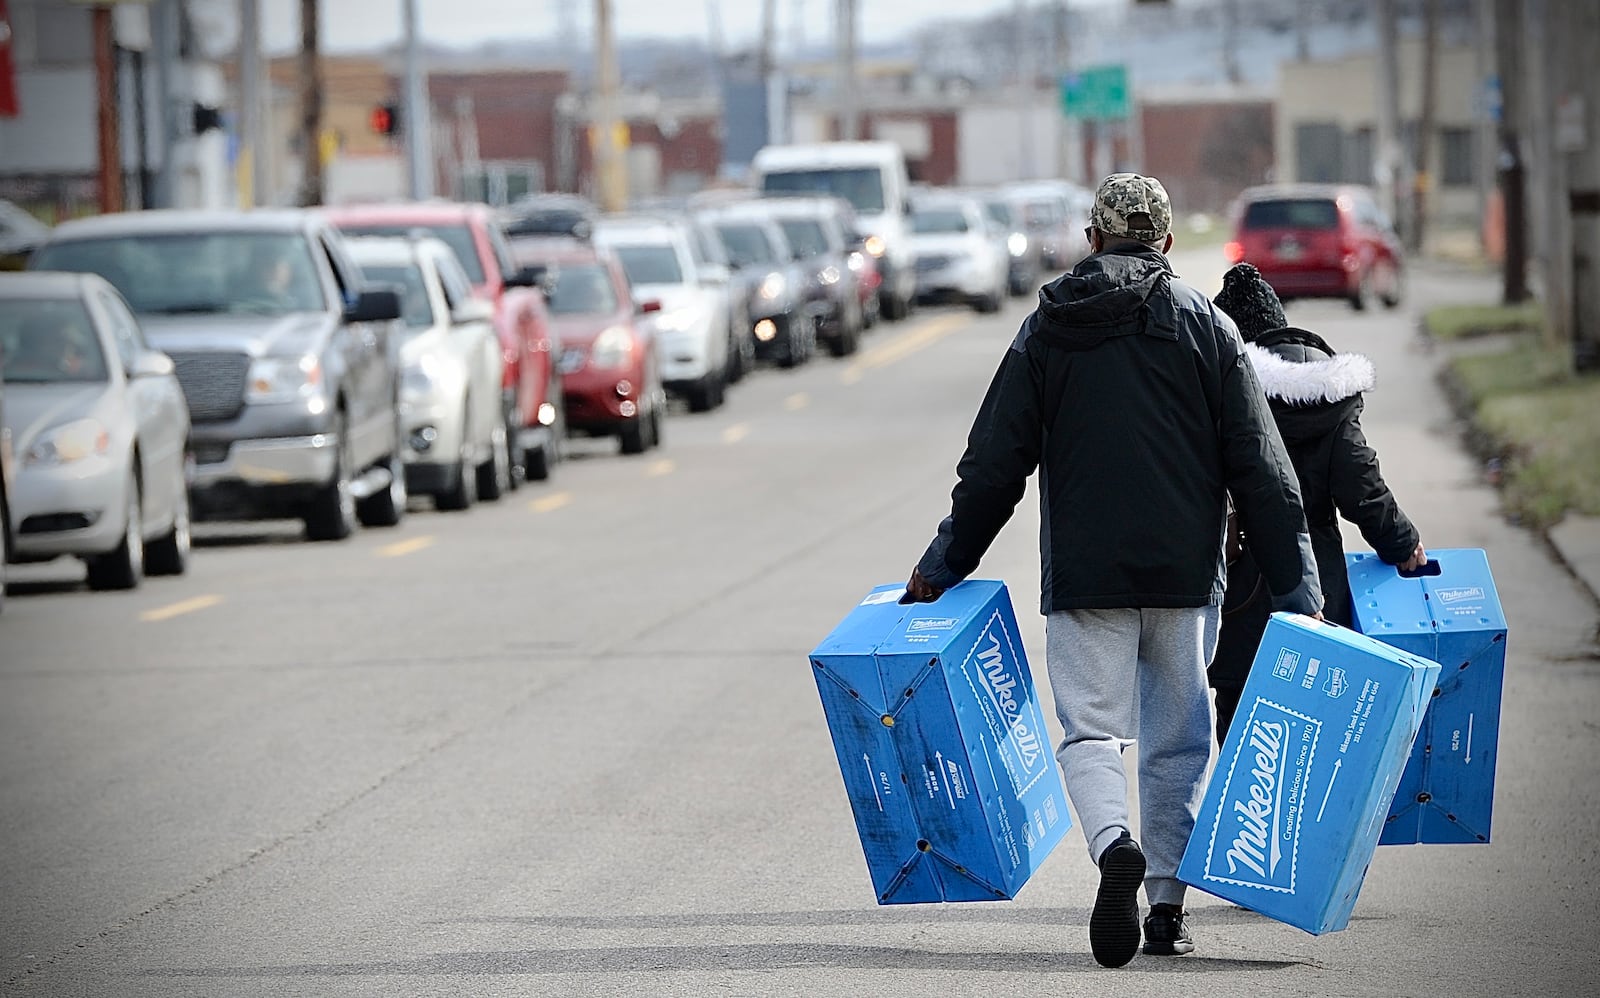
{"points": [[1098, 93]]}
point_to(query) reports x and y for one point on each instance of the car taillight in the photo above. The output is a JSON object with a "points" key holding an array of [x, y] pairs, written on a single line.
{"points": [[1233, 250]]}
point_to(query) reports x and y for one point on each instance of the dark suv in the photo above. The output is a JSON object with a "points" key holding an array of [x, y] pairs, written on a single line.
{"points": [[287, 360], [1316, 241]]}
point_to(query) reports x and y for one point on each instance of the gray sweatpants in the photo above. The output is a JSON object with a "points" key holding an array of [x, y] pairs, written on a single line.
{"points": [[1121, 676]]}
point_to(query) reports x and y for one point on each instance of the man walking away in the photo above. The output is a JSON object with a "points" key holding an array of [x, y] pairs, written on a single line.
{"points": [[1131, 395]]}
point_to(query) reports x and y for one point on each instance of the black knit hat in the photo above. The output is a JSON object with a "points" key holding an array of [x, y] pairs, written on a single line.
{"points": [[1250, 302]]}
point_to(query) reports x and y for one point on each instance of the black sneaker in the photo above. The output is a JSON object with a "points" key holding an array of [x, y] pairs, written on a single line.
{"points": [[1164, 931], [1114, 924]]}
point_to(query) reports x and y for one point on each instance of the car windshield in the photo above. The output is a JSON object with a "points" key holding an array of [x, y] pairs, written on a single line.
{"points": [[1304, 213], [263, 273], [584, 289], [415, 308], [999, 211], [49, 340], [747, 245], [457, 237], [547, 222], [650, 264], [806, 236], [862, 187], [939, 221]]}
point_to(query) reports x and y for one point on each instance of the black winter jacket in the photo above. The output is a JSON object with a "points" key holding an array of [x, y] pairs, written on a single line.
{"points": [[1129, 391], [1316, 399]]}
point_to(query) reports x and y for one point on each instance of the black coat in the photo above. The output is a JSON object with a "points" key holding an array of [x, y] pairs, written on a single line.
{"points": [[1129, 391], [1316, 399]]}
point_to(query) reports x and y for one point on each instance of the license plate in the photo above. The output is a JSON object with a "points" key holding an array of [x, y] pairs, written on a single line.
{"points": [[1289, 250]]}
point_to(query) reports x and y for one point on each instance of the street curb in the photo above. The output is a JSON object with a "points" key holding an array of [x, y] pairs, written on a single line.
{"points": [[1480, 444]]}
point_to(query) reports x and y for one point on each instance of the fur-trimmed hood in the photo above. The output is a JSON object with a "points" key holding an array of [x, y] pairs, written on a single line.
{"points": [[1308, 382]]}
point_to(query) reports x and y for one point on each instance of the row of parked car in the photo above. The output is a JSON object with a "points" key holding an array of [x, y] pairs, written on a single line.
{"points": [[325, 365]]}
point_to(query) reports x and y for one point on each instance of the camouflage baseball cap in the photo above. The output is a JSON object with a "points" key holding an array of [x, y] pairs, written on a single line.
{"points": [[1133, 207]]}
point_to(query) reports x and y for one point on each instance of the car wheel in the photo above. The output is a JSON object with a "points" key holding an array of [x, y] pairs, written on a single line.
{"points": [[123, 567], [494, 475], [703, 397], [657, 419], [1394, 289], [387, 508], [332, 516], [169, 553], [1362, 295], [5, 548], [463, 489]]}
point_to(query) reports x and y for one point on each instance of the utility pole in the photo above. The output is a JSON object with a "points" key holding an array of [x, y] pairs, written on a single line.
{"points": [[310, 106], [1025, 81], [1302, 30], [769, 39], [1484, 116], [1230, 41], [1389, 152], [108, 127], [1578, 134], [1508, 64], [416, 125], [611, 181], [253, 167], [849, 100], [166, 28], [1422, 182]]}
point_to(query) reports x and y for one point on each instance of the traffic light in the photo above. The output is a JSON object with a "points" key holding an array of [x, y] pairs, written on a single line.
{"points": [[386, 119]]}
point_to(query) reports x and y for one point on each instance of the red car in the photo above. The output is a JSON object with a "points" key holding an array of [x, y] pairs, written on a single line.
{"points": [[610, 377], [1319, 241], [531, 385]]}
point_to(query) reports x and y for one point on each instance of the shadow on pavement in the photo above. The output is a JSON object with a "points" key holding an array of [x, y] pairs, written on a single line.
{"points": [[754, 956]]}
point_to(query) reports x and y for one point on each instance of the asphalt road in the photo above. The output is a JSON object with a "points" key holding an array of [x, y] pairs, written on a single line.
{"points": [[570, 743]]}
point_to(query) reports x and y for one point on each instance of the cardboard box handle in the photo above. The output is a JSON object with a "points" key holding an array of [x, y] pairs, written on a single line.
{"points": [[1428, 569]]}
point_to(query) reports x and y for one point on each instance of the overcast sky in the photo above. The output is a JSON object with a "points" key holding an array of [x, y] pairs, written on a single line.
{"points": [[367, 24]]}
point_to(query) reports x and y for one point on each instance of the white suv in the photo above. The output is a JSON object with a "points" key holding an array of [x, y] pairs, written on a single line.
{"points": [[688, 296]]}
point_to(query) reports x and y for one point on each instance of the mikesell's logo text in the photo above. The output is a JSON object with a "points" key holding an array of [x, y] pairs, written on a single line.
{"points": [[1017, 719], [1255, 833], [1460, 593]]}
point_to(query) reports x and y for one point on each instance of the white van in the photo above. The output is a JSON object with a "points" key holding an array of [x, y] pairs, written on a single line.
{"points": [[872, 177]]}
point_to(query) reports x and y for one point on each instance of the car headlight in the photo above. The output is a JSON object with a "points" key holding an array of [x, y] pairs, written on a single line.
{"points": [[70, 442], [612, 348], [856, 261], [830, 275], [284, 379], [1017, 244], [773, 287], [875, 245], [420, 378]]}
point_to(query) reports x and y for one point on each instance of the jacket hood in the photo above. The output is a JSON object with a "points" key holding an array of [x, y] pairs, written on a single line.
{"points": [[1113, 293], [1310, 388], [1297, 367]]}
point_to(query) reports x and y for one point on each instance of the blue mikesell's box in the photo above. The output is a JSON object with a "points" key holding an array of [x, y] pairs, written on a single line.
{"points": [[942, 744], [1451, 614], [1294, 808]]}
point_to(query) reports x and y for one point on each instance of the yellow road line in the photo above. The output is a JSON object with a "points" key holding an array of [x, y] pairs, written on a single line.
{"points": [[659, 468], [903, 346], [399, 548], [179, 609], [550, 502], [735, 433], [797, 401]]}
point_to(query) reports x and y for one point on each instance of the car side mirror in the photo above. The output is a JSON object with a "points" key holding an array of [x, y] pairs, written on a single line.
{"points": [[374, 304], [649, 307], [472, 310], [714, 273], [540, 278], [151, 364]]}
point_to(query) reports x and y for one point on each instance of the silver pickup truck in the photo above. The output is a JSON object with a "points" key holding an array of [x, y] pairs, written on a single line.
{"points": [[287, 360]]}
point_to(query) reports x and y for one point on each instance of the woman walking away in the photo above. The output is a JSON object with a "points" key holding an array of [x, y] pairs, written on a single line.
{"points": [[1316, 396]]}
